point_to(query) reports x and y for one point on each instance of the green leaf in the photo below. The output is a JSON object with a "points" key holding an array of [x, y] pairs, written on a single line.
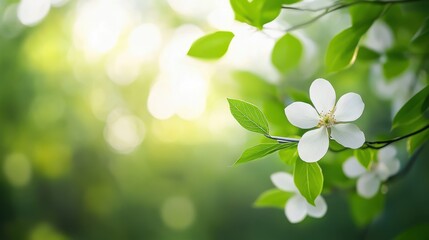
{"points": [[248, 116], [286, 53], [343, 49], [289, 155], [367, 54], [413, 110], [365, 157], [394, 67], [211, 46], [421, 38], [371, 13], [416, 141], [257, 12], [273, 198], [308, 178], [261, 150], [415, 232], [290, 1], [365, 210]]}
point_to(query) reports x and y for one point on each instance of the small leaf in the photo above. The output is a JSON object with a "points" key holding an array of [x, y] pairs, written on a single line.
{"points": [[416, 141], [365, 210], [367, 54], [289, 155], [248, 116], [273, 198], [256, 12], [343, 49], [413, 110], [286, 53], [308, 178], [365, 157], [371, 13], [211, 46], [394, 67], [261, 150], [421, 38]]}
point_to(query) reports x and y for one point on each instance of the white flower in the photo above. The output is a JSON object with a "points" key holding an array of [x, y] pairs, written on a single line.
{"points": [[329, 118], [369, 180], [297, 206]]}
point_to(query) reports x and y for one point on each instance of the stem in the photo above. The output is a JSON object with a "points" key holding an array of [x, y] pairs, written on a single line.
{"points": [[336, 7], [387, 142], [282, 139]]}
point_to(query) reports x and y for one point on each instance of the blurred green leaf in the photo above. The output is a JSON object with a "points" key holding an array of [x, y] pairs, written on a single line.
{"points": [[252, 85], [256, 12], [273, 198], [365, 210], [261, 150], [365, 157], [211, 46], [343, 48], [416, 232], [298, 96], [413, 110], [248, 116], [308, 178], [416, 141], [289, 155], [365, 14], [394, 67], [421, 38], [286, 53], [290, 1], [367, 54]]}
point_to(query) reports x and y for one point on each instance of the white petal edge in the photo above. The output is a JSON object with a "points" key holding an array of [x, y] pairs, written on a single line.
{"points": [[368, 185], [352, 168], [319, 210], [313, 145], [296, 209], [283, 181], [349, 107], [348, 135], [302, 115], [386, 153], [322, 95]]}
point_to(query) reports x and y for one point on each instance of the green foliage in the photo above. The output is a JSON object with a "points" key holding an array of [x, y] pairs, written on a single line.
{"points": [[257, 12], [261, 150], [248, 116], [365, 156], [416, 141], [211, 46], [289, 155], [308, 178], [394, 67], [273, 198], [343, 48], [411, 115], [365, 210], [367, 54], [420, 231], [286, 53], [421, 38]]}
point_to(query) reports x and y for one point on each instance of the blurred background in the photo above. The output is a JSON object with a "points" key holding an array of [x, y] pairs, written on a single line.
{"points": [[109, 131]]}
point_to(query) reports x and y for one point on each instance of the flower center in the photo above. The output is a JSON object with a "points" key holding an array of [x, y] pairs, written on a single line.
{"points": [[327, 119]]}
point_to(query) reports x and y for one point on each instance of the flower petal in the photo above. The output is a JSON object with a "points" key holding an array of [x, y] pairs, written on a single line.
{"points": [[348, 135], [349, 107], [319, 210], [302, 115], [322, 94], [368, 185], [296, 209], [313, 145], [283, 181], [352, 168], [385, 153]]}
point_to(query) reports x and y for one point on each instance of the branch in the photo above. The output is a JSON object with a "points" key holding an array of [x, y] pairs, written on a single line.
{"points": [[282, 139], [336, 7], [384, 143]]}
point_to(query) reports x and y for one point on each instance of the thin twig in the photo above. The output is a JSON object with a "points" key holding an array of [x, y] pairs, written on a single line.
{"points": [[283, 139], [407, 166], [387, 142]]}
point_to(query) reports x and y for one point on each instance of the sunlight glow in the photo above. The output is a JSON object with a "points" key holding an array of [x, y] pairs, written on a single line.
{"points": [[124, 132], [17, 169], [30, 12], [144, 41], [178, 212]]}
